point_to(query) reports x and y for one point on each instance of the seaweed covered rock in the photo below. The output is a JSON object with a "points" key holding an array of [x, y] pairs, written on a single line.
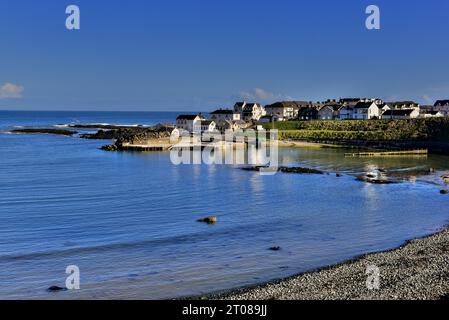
{"points": [[298, 170], [109, 147], [209, 220], [135, 135], [45, 131], [374, 180]]}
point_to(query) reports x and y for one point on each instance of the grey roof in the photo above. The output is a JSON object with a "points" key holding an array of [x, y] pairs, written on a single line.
{"points": [[439, 103], [223, 111], [288, 104], [401, 103], [350, 100], [186, 117], [307, 110], [334, 106], [363, 105], [249, 107]]}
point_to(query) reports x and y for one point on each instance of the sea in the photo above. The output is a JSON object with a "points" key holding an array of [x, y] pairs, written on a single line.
{"points": [[128, 221]]}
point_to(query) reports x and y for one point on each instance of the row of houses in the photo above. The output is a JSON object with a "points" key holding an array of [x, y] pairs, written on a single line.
{"points": [[244, 114], [353, 108], [241, 116]]}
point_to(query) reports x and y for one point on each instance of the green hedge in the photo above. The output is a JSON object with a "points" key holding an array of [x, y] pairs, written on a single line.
{"points": [[436, 129]]}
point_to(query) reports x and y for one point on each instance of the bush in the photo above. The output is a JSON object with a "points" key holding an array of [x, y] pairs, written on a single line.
{"points": [[436, 129]]}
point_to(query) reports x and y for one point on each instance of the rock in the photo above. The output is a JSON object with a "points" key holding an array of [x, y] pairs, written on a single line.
{"points": [[298, 170], [338, 175], [45, 131], [56, 289], [209, 220], [445, 178], [109, 147], [374, 181], [136, 135], [275, 248], [444, 191]]}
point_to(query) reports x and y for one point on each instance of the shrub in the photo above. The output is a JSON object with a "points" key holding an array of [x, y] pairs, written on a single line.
{"points": [[436, 129]]}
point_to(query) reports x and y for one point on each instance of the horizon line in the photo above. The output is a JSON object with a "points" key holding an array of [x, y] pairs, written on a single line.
{"points": [[53, 110]]}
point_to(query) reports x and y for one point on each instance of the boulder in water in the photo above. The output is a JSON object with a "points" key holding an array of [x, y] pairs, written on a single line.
{"points": [[209, 220], [56, 289]]}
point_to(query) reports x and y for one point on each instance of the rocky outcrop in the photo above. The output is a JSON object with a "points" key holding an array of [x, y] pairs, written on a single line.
{"points": [[56, 289], [45, 131], [109, 147], [298, 170], [209, 220], [134, 135], [445, 178], [374, 179]]}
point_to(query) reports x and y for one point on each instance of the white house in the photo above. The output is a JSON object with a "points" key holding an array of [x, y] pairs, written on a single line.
{"points": [[383, 107], [433, 114], [249, 111], [285, 110], [189, 122], [252, 111], [403, 105], [208, 125], [235, 125], [442, 106], [366, 110], [400, 114], [329, 112], [223, 115]]}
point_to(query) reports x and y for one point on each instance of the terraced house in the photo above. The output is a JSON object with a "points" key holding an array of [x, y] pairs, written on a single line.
{"points": [[249, 111], [225, 119], [308, 113], [285, 110], [400, 114], [222, 115], [442, 106], [189, 122], [366, 110], [329, 112]]}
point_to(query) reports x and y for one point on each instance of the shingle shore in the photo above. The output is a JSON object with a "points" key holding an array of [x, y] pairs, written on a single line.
{"points": [[417, 270]]}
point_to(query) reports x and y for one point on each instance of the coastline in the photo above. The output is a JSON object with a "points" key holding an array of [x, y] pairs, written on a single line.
{"points": [[416, 270]]}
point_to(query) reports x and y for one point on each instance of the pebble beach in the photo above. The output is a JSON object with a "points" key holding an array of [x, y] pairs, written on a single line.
{"points": [[418, 270]]}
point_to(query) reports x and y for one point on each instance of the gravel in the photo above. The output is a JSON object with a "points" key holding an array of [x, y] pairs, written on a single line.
{"points": [[417, 270]]}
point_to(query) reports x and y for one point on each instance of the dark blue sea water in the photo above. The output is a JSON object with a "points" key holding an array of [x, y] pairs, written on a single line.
{"points": [[128, 220]]}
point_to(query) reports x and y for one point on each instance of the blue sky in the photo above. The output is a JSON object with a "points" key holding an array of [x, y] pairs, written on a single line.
{"points": [[195, 55]]}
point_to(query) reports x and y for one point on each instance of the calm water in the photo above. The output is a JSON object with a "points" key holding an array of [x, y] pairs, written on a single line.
{"points": [[128, 220]]}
